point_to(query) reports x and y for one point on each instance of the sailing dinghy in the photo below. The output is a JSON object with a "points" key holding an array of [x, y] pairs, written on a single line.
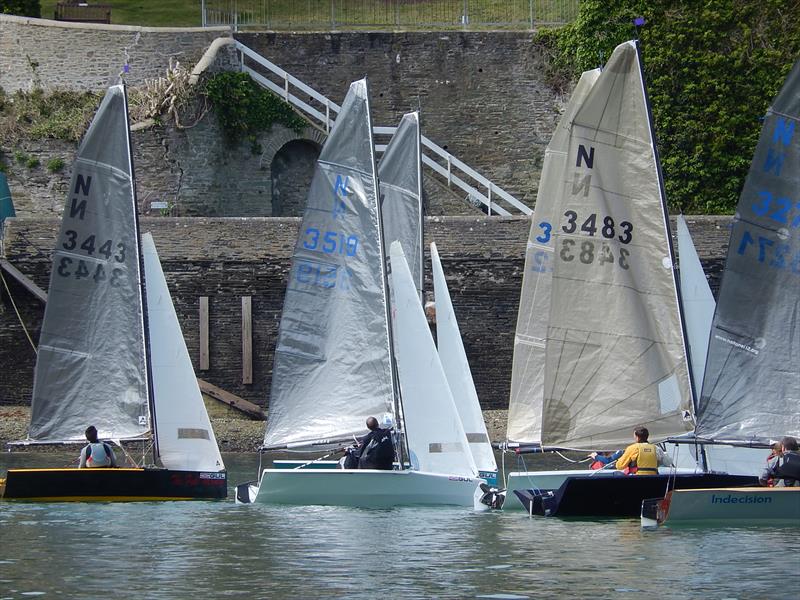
{"points": [[751, 389], [111, 352], [341, 357], [611, 353]]}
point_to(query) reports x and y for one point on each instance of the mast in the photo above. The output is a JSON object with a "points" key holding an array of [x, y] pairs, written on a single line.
{"points": [[421, 213], [142, 291]]}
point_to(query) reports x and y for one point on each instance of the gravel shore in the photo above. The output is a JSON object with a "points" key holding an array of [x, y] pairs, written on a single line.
{"points": [[233, 435]]}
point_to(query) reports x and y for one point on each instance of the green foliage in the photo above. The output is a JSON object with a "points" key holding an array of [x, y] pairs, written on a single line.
{"points": [[22, 8], [32, 162], [54, 165], [712, 67], [39, 115], [244, 109], [20, 157]]}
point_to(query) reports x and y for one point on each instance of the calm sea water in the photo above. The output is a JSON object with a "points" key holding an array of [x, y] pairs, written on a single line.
{"points": [[221, 550]]}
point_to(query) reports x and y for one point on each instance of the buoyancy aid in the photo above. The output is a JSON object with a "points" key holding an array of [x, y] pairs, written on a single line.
{"points": [[97, 455], [788, 466], [647, 459]]}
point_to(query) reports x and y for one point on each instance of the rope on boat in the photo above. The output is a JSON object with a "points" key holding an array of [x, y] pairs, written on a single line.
{"points": [[583, 460], [19, 316]]}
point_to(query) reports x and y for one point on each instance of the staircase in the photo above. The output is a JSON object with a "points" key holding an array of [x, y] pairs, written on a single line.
{"points": [[437, 161]]}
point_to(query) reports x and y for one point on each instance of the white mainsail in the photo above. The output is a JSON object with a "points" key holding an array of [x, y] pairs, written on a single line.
{"points": [[751, 390], [185, 438], [400, 175], [615, 354], [527, 372], [333, 365], [91, 365], [436, 438], [698, 303], [456, 368]]}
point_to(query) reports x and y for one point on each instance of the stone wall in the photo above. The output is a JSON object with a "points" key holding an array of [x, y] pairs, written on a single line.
{"points": [[226, 259], [83, 56]]}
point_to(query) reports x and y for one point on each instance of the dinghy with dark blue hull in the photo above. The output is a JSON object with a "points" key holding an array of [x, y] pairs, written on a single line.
{"points": [[617, 496]]}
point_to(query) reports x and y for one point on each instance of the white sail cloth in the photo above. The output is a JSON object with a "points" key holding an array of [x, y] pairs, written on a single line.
{"points": [[436, 438], [185, 438], [333, 364], [615, 355]]}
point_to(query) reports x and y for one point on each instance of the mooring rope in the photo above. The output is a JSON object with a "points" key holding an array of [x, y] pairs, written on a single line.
{"points": [[19, 316]]}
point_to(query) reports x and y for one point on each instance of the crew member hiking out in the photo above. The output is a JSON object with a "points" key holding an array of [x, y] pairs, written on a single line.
{"points": [[641, 455]]}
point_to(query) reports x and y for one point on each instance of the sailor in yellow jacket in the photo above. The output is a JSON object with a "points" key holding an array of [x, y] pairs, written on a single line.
{"points": [[641, 454]]}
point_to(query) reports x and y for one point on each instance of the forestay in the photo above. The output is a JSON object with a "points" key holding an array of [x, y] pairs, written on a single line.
{"points": [[752, 383], [400, 175], [527, 372], [456, 369], [90, 368], [698, 302], [332, 361], [615, 355], [436, 438], [185, 438]]}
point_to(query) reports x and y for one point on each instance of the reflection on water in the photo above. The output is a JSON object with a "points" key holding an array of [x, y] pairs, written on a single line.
{"points": [[219, 549]]}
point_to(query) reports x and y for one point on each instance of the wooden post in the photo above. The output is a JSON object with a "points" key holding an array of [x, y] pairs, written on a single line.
{"points": [[247, 339], [204, 363]]}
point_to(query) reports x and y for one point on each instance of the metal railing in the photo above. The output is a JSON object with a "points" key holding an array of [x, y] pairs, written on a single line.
{"points": [[322, 111], [414, 14]]}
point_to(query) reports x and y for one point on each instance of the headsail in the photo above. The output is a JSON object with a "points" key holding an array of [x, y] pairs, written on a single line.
{"points": [[752, 382], [91, 367], [185, 438], [436, 437], [332, 361], [400, 175], [698, 302], [615, 354], [456, 368], [527, 373]]}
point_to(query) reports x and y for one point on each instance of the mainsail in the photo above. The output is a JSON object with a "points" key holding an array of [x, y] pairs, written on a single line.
{"points": [[333, 364], [185, 438], [615, 354], [698, 303], [527, 372], [751, 389], [91, 366], [400, 175]]}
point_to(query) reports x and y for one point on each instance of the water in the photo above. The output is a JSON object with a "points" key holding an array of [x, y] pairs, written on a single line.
{"points": [[221, 550]]}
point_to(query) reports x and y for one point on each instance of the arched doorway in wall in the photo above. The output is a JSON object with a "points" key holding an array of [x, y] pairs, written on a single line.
{"points": [[292, 169]]}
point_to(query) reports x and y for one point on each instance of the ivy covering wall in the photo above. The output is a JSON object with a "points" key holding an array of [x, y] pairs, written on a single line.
{"points": [[22, 8], [712, 69]]}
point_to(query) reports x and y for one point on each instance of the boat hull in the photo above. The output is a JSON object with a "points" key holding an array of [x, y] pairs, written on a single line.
{"points": [[618, 496], [112, 485], [725, 506], [360, 488]]}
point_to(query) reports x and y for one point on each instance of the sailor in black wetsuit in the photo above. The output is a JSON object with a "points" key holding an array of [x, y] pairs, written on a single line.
{"points": [[785, 469], [376, 450]]}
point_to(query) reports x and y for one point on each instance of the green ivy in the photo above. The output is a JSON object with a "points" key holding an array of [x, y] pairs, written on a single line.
{"points": [[38, 115], [712, 70], [244, 109]]}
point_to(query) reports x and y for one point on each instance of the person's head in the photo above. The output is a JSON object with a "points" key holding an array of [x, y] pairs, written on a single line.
{"points": [[641, 434], [789, 444], [372, 423], [91, 433], [777, 449]]}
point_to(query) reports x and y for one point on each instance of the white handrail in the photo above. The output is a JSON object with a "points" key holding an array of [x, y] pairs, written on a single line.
{"points": [[471, 178]]}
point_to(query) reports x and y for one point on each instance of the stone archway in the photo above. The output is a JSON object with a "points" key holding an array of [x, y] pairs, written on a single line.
{"points": [[291, 170]]}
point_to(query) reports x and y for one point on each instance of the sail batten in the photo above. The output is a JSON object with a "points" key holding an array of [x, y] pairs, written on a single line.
{"points": [[332, 364]]}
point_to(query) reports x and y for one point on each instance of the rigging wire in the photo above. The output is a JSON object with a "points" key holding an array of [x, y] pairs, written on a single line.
{"points": [[19, 316]]}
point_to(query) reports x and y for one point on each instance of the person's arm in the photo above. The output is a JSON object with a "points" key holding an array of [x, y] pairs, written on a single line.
{"points": [[630, 454], [768, 472], [82, 464], [663, 458], [111, 455]]}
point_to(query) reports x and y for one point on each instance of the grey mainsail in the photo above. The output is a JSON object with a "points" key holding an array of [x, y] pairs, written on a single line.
{"points": [[333, 357], [751, 389], [527, 372], [400, 175], [91, 365], [615, 353]]}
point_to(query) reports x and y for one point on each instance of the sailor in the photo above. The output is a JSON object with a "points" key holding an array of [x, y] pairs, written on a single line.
{"points": [[784, 469], [96, 453], [641, 455], [376, 450]]}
